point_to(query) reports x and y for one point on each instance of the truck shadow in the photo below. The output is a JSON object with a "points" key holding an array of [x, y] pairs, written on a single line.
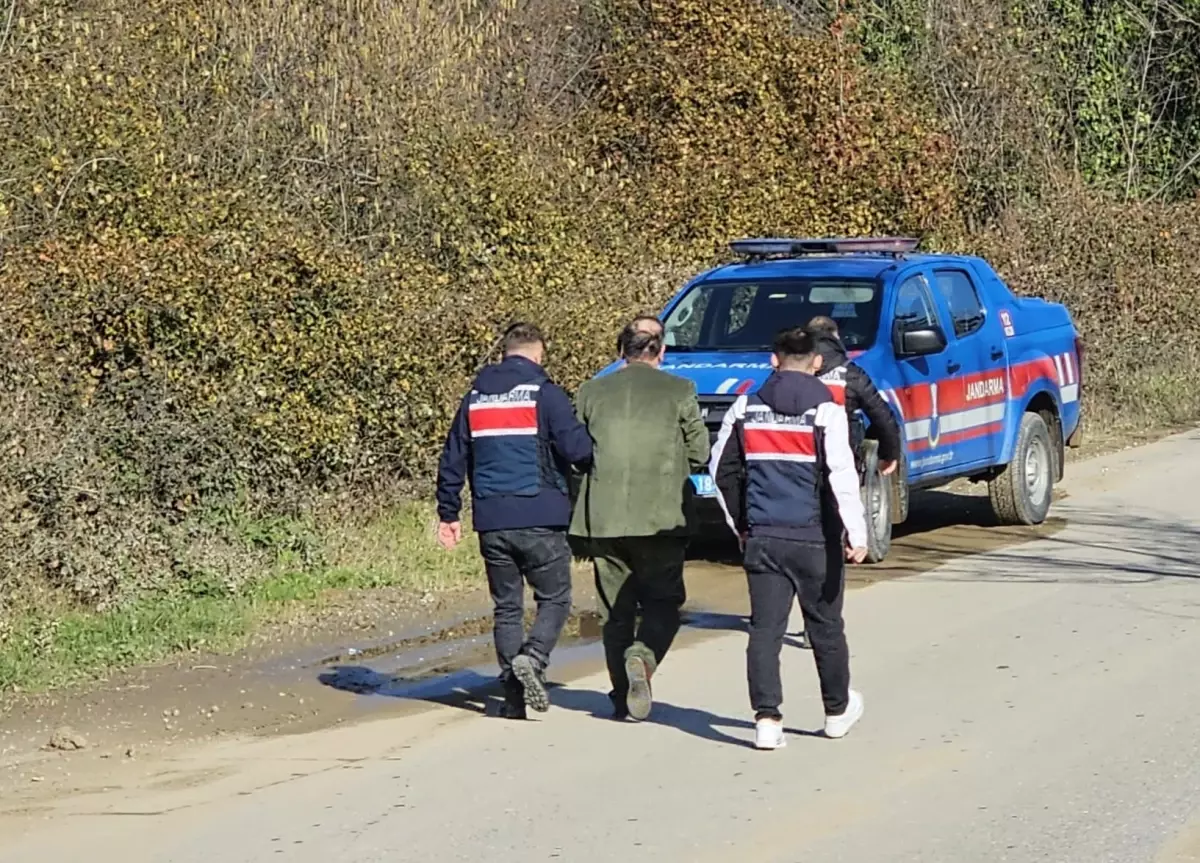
{"points": [[929, 512]]}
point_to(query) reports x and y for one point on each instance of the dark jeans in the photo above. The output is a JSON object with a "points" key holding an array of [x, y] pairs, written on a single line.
{"points": [[541, 556], [778, 570], [638, 576]]}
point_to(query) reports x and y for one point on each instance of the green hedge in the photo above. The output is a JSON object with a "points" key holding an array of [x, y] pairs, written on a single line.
{"points": [[253, 251]]}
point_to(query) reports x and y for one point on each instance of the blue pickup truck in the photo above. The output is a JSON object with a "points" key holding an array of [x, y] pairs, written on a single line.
{"points": [[984, 384]]}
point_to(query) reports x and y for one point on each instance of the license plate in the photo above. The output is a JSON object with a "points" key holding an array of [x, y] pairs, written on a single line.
{"points": [[704, 485]]}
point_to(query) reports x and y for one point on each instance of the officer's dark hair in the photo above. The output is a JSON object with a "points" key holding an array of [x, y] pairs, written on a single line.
{"points": [[521, 335], [794, 346], [636, 343], [822, 325]]}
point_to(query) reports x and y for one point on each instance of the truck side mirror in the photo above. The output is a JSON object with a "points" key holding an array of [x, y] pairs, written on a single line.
{"points": [[918, 342]]}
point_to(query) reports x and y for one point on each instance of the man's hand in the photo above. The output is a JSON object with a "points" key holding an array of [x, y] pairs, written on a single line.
{"points": [[742, 541], [856, 555], [887, 467], [449, 534]]}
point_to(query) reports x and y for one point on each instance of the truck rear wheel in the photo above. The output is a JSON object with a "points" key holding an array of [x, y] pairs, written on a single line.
{"points": [[877, 504], [1020, 493]]}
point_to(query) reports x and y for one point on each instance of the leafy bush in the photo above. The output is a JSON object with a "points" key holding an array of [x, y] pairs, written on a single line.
{"points": [[251, 252]]}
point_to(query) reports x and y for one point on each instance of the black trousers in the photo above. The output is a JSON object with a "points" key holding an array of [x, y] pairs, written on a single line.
{"points": [[640, 582], [540, 556], [779, 571]]}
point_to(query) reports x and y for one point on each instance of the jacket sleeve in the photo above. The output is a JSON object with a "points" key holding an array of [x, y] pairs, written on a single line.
{"points": [[452, 469], [568, 435], [843, 477], [877, 412], [728, 467], [695, 433]]}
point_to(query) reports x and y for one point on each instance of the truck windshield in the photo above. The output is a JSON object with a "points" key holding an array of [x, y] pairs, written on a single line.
{"points": [[745, 316]]}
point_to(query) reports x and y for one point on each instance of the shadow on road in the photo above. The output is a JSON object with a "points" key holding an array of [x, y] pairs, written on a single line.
{"points": [[689, 720], [1104, 548], [929, 511]]}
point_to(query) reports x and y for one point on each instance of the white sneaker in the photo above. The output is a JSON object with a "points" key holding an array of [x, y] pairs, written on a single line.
{"points": [[768, 734], [838, 726]]}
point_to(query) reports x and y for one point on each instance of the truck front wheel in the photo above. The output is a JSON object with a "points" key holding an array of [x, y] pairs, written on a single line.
{"points": [[877, 504], [1020, 493]]}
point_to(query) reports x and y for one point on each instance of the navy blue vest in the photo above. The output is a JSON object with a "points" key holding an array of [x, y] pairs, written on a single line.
{"points": [[835, 379], [509, 453], [784, 468]]}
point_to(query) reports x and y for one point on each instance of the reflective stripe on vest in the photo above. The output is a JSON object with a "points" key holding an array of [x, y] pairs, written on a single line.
{"points": [[770, 436], [505, 449], [835, 379], [783, 477]]}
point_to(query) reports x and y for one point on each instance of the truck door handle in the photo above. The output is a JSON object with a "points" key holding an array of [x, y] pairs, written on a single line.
{"points": [[952, 367], [997, 354]]}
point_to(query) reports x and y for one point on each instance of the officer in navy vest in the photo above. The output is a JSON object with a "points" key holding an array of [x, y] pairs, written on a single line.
{"points": [[515, 438], [852, 388], [786, 480]]}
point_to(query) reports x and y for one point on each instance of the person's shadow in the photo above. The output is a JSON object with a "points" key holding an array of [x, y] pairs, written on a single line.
{"points": [[689, 720], [714, 620]]}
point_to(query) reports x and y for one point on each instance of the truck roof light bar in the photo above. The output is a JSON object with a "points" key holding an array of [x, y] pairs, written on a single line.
{"points": [[794, 247]]}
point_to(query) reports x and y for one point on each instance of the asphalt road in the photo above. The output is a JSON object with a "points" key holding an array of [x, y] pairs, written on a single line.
{"points": [[1036, 703]]}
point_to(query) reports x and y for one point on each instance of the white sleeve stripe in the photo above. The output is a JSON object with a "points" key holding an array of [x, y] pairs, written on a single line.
{"points": [[843, 476], [736, 411]]}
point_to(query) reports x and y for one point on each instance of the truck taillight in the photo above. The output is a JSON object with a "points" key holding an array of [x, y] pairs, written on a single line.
{"points": [[1079, 361]]}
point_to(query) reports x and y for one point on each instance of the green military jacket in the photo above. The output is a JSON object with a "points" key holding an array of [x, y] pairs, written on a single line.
{"points": [[648, 438]]}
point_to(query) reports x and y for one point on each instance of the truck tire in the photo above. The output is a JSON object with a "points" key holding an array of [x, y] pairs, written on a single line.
{"points": [[1020, 493], [877, 504]]}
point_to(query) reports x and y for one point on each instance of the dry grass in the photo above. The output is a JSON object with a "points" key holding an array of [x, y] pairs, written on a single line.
{"points": [[49, 640]]}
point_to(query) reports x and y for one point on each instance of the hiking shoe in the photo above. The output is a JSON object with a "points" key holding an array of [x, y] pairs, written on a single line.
{"points": [[768, 733], [639, 700], [838, 726], [529, 672]]}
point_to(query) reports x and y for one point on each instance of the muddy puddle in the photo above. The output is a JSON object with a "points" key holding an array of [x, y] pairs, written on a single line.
{"points": [[391, 666], [447, 664]]}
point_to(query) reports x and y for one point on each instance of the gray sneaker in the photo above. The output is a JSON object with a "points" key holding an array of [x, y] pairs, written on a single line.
{"points": [[639, 700]]}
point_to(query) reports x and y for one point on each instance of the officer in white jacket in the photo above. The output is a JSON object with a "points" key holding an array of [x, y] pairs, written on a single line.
{"points": [[787, 482]]}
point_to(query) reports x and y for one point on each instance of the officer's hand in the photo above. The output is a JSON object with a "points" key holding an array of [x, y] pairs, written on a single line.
{"points": [[856, 555], [449, 534], [742, 541], [887, 467]]}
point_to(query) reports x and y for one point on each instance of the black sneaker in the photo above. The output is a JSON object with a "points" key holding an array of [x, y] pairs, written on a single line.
{"points": [[509, 710], [528, 671], [619, 711], [513, 706]]}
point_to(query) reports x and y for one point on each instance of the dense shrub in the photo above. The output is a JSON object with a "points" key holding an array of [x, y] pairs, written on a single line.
{"points": [[253, 251], [1128, 272]]}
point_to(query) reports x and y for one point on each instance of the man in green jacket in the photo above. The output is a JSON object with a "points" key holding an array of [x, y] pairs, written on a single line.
{"points": [[632, 512]]}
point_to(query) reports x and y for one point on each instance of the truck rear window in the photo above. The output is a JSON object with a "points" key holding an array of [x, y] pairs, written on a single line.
{"points": [[745, 316]]}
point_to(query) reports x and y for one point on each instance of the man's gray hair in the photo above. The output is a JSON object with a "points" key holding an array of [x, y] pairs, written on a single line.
{"points": [[639, 343]]}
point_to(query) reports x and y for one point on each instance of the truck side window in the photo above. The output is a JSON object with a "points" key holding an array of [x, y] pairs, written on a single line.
{"points": [[963, 300], [914, 306]]}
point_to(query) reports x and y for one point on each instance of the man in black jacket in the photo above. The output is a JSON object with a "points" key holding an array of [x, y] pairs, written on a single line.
{"points": [[514, 438], [852, 388]]}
